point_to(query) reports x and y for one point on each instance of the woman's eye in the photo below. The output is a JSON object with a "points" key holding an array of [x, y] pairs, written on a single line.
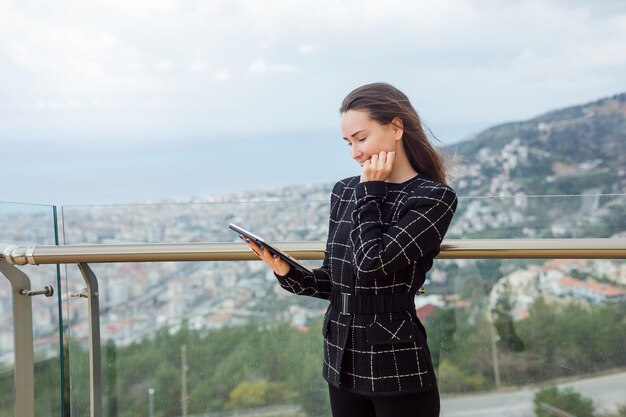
{"points": [[358, 140]]}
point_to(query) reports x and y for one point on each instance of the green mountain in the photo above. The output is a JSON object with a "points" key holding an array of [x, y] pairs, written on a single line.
{"points": [[576, 150]]}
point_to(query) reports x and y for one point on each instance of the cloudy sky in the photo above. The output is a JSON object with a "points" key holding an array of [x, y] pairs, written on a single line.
{"points": [[127, 100]]}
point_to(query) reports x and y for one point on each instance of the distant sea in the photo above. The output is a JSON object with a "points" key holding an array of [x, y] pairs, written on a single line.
{"points": [[100, 170]]}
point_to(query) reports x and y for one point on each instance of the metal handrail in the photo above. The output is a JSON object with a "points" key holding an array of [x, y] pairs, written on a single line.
{"points": [[168, 252], [11, 255]]}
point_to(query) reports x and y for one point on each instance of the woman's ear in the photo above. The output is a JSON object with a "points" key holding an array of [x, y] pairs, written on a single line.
{"points": [[398, 128]]}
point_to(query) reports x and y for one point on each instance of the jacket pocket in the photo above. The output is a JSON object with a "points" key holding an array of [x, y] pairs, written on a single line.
{"points": [[325, 324], [390, 332]]}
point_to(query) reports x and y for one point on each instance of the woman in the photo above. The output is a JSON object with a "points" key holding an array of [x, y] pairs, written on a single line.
{"points": [[386, 226]]}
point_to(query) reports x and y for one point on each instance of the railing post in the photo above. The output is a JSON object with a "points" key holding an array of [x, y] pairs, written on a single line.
{"points": [[95, 357], [22, 341]]}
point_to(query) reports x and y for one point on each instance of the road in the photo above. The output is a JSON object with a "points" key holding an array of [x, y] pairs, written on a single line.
{"points": [[606, 391]]}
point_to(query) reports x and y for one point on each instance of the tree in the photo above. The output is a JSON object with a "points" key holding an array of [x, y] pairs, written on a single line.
{"points": [[572, 339], [257, 394], [441, 327], [567, 400], [489, 270], [503, 322], [249, 395]]}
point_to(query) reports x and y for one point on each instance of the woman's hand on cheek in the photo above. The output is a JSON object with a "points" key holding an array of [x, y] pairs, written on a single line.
{"points": [[378, 167]]}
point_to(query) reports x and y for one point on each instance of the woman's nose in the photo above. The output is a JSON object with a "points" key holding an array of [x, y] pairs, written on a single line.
{"points": [[355, 151]]}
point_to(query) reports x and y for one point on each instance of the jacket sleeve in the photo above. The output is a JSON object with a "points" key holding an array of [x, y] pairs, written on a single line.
{"points": [[318, 282], [380, 251]]}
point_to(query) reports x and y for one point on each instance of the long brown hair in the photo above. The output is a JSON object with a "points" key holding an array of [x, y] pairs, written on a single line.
{"points": [[384, 102]]}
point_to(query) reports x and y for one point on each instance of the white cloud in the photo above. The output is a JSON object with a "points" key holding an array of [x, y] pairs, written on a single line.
{"points": [[306, 49], [164, 65], [57, 105], [199, 67], [461, 59], [261, 66], [268, 42], [222, 75]]}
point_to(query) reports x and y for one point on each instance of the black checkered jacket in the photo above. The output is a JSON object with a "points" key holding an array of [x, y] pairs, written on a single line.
{"points": [[382, 240]]}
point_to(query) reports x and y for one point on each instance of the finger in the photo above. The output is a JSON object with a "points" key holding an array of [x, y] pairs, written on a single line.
{"points": [[391, 157], [256, 248], [264, 255], [278, 261], [382, 158], [280, 266], [253, 247], [374, 160]]}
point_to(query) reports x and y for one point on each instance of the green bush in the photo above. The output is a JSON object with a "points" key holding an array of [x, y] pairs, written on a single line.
{"points": [[452, 379], [257, 394], [567, 400]]}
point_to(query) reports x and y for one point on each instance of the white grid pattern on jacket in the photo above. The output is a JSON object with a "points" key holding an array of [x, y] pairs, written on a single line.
{"points": [[382, 239]]}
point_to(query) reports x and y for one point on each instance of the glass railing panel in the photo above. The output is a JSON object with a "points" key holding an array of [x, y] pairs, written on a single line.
{"points": [[244, 336], [233, 319], [241, 338], [301, 215], [499, 329], [26, 224], [148, 305], [538, 217]]}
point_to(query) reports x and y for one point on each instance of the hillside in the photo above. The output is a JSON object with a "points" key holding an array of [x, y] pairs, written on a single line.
{"points": [[576, 150]]}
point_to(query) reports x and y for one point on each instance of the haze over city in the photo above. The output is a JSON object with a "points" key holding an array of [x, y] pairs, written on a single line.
{"points": [[117, 102]]}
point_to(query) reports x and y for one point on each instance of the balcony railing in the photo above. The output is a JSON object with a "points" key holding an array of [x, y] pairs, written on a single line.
{"points": [[83, 254], [135, 289], [187, 252]]}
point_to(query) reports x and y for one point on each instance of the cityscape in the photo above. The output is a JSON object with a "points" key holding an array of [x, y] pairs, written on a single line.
{"points": [[136, 298]]}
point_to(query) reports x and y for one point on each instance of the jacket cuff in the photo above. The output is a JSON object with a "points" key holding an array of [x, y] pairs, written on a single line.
{"points": [[365, 191], [293, 274]]}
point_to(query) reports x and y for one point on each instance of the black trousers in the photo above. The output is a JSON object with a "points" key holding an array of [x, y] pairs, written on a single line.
{"points": [[344, 403]]}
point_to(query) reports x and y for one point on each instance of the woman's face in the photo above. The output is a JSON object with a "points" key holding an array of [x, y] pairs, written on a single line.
{"points": [[366, 137]]}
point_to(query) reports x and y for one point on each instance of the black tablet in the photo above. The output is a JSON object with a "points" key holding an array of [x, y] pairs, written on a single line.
{"points": [[273, 250]]}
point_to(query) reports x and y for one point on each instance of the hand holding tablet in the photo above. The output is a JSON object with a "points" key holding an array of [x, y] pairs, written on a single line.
{"points": [[260, 246]]}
